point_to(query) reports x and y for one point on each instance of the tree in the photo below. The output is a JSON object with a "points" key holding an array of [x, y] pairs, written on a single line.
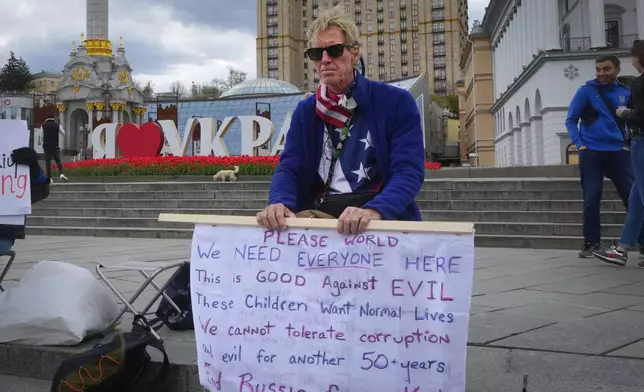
{"points": [[179, 88], [235, 76], [15, 75], [450, 102], [205, 91], [148, 90]]}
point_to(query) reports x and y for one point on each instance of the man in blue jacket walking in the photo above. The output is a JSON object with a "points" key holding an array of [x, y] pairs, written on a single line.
{"points": [[354, 150], [602, 140]]}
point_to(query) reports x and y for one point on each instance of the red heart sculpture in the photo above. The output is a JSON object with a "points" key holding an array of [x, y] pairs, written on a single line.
{"points": [[144, 141]]}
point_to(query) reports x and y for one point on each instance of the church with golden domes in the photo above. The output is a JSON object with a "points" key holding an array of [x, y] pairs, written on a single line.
{"points": [[97, 85]]}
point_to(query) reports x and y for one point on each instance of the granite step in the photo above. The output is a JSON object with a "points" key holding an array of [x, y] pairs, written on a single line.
{"points": [[249, 208], [23, 384], [486, 184], [209, 203], [424, 194], [504, 240]]}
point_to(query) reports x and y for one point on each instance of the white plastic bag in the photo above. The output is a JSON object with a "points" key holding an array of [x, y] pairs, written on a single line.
{"points": [[56, 303]]}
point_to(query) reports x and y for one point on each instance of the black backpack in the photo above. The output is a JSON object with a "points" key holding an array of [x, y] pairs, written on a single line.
{"points": [[179, 291], [113, 366]]}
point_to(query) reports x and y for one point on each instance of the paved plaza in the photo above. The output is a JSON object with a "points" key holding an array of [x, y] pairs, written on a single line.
{"points": [[541, 317]]}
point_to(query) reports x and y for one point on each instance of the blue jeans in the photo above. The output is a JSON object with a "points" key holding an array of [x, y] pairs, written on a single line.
{"points": [[6, 244], [635, 215], [617, 167]]}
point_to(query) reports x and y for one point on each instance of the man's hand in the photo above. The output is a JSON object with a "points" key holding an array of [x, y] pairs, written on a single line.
{"points": [[622, 110], [274, 217], [354, 220]]}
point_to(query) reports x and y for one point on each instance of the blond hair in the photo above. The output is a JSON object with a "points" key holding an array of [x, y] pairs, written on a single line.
{"points": [[335, 17]]}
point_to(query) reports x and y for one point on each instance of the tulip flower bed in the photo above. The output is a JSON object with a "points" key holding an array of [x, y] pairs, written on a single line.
{"points": [[176, 166]]}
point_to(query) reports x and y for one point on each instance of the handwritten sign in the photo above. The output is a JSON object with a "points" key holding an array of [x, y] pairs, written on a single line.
{"points": [[15, 192], [312, 310]]}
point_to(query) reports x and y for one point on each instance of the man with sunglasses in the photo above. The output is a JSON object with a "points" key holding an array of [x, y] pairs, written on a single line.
{"points": [[354, 150]]}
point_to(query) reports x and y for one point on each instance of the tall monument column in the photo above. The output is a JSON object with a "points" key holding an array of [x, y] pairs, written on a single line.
{"points": [[98, 43]]}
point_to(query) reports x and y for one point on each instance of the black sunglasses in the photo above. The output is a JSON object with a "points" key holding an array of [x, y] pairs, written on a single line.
{"points": [[334, 51]]}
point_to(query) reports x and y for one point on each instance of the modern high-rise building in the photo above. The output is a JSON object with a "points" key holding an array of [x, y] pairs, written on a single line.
{"points": [[400, 38]]}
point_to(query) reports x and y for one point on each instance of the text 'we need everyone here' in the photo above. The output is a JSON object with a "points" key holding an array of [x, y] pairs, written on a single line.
{"points": [[299, 301]]}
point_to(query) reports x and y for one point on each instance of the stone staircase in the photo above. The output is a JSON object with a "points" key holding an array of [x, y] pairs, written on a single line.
{"points": [[530, 213]]}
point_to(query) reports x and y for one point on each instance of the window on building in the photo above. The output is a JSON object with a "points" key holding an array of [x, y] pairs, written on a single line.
{"points": [[392, 47], [416, 68], [612, 33], [438, 15], [392, 14], [392, 25]]}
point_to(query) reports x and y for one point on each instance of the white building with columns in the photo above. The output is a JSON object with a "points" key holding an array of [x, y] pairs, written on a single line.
{"points": [[543, 51]]}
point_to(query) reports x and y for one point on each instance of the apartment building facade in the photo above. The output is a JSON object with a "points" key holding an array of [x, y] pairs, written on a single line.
{"points": [[400, 38]]}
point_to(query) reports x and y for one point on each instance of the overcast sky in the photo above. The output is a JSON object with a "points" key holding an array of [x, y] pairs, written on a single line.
{"points": [[165, 40]]}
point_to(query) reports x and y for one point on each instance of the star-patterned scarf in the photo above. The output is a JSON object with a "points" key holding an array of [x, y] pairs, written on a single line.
{"points": [[331, 108]]}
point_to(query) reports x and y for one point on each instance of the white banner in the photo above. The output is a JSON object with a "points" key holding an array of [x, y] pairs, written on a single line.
{"points": [[15, 190], [312, 310]]}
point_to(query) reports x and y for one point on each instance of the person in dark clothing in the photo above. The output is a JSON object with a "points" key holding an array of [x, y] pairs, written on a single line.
{"points": [[634, 117], [50, 146], [39, 191], [602, 142]]}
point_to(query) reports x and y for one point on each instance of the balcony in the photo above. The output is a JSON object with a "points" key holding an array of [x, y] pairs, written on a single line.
{"points": [[271, 13], [436, 4], [583, 44], [271, 2]]}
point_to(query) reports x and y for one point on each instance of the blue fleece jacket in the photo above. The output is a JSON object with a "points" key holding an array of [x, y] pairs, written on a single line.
{"points": [[391, 115], [598, 130]]}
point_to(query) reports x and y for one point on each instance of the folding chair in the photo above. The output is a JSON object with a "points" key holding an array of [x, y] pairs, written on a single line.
{"points": [[149, 270], [12, 256]]}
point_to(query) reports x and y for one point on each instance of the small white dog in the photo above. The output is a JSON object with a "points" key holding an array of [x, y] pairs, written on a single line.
{"points": [[226, 175]]}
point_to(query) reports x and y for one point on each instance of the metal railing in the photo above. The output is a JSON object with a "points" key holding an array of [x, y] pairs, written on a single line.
{"points": [[582, 44]]}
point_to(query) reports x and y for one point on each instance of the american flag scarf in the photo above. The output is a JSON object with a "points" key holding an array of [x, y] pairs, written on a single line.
{"points": [[331, 108]]}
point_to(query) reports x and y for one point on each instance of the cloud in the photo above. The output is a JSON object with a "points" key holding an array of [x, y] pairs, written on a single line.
{"points": [[165, 40]]}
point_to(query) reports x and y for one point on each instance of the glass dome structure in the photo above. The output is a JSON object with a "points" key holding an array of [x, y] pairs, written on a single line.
{"points": [[260, 87]]}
